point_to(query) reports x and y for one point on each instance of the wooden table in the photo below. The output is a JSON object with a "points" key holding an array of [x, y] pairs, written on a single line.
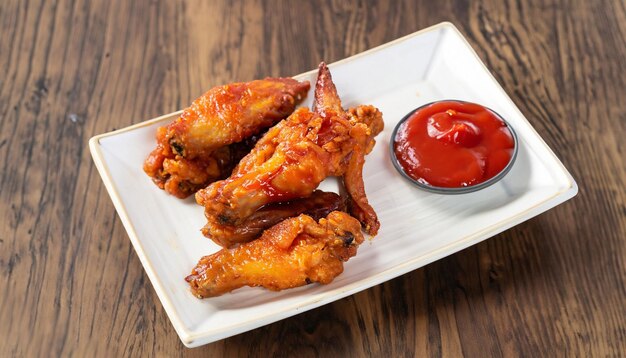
{"points": [[71, 283]]}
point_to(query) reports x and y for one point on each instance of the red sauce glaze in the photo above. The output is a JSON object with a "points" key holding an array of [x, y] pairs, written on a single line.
{"points": [[453, 144]]}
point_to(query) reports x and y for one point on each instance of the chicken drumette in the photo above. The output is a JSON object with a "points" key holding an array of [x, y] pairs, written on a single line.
{"points": [[218, 129], [293, 253], [291, 160]]}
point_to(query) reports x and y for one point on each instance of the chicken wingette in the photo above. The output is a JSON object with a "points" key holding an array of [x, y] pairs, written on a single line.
{"points": [[293, 253], [208, 139], [317, 206]]}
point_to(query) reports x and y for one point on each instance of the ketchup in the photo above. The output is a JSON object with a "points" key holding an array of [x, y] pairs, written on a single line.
{"points": [[453, 144]]}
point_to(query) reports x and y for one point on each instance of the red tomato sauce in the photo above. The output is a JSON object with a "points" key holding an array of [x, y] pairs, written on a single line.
{"points": [[453, 144]]}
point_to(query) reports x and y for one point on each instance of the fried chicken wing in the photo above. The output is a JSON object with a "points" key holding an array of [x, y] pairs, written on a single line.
{"points": [[292, 159], [210, 137], [293, 253], [317, 206]]}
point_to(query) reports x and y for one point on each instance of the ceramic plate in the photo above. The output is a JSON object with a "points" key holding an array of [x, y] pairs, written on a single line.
{"points": [[417, 227]]}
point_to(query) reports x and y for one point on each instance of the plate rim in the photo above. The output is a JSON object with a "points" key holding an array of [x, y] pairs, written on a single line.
{"points": [[193, 338]]}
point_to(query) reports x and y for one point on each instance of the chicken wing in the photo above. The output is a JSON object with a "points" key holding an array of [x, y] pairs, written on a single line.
{"points": [[293, 157], [317, 206], [293, 253], [209, 138]]}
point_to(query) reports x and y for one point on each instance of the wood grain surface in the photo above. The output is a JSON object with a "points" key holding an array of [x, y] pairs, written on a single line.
{"points": [[72, 285]]}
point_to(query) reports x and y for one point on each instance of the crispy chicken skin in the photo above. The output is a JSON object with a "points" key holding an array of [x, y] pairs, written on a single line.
{"points": [[293, 157], [293, 253], [210, 137]]}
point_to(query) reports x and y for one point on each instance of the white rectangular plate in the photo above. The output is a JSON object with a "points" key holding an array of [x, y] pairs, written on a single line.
{"points": [[416, 227]]}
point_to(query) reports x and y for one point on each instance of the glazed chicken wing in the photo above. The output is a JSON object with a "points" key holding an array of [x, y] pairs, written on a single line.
{"points": [[317, 206], [293, 253], [208, 139], [293, 158]]}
